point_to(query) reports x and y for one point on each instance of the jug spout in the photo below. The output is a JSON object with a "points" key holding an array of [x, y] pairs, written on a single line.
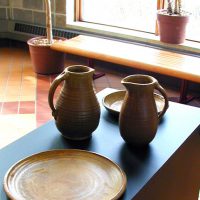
{"points": [[138, 81]]}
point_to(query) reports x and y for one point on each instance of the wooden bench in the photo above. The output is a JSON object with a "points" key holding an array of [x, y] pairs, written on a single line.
{"points": [[184, 67]]}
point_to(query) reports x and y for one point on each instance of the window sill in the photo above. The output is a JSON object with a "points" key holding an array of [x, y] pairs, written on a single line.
{"points": [[132, 36]]}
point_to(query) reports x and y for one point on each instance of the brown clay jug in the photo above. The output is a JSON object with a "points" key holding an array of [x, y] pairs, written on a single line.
{"points": [[77, 110], [138, 119]]}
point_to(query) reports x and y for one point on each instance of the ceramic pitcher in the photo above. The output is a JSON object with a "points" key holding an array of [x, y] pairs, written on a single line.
{"points": [[77, 110], [138, 120]]}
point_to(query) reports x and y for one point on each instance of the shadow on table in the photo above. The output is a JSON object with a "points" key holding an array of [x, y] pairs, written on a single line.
{"points": [[134, 159]]}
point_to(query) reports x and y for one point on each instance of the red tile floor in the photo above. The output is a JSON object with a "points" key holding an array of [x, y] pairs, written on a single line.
{"points": [[23, 94]]}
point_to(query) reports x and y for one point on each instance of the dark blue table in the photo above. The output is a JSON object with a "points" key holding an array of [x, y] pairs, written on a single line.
{"points": [[167, 169]]}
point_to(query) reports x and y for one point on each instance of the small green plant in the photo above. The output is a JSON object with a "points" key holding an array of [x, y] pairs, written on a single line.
{"points": [[174, 7]]}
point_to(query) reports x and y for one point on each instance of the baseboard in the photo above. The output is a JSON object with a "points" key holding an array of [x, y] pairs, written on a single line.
{"points": [[21, 31]]}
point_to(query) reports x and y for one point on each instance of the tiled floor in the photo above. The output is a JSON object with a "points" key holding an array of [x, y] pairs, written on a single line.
{"points": [[23, 94]]}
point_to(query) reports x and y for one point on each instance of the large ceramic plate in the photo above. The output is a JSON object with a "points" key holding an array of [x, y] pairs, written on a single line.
{"points": [[113, 101], [65, 174]]}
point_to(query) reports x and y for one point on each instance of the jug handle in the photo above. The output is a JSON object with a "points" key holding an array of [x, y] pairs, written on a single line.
{"points": [[162, 91], [52, 90]]}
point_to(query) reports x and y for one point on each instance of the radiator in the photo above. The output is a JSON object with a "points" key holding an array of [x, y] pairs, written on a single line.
{"points": [[23, 32], [39, 30]]}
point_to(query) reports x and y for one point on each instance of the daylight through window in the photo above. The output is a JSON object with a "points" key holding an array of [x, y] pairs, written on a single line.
{"points": [[137, 15]]}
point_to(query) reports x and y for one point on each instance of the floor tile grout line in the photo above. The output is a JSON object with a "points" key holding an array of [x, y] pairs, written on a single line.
{"points": [[20, 90], [37, 92], [36, 99], [6, 85], [108, 81], [22, 86]]}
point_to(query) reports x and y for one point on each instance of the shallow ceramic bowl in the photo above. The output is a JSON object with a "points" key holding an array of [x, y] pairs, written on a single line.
{"points": [[113, 102], [65, 174]]}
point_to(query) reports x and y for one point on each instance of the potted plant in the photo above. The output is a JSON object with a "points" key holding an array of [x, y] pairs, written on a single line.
{"points": [[45, 60], [172, 22]]}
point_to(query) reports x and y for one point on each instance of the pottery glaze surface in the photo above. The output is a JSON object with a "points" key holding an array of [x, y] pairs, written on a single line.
{"points": [[77, 109], [138, 119], [65, 174]]}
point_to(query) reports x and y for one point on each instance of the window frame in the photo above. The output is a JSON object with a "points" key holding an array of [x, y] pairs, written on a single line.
{"points": [[73, 22]]}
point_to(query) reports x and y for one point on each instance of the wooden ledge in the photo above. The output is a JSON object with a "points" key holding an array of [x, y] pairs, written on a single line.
{"points": [[136, 56]]}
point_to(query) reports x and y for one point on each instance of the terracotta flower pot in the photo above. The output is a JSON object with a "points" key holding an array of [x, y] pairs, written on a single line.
{"points": [[172, 28], [45, 60]]}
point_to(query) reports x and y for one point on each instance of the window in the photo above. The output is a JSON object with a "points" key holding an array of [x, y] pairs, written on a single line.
{"points": [[139, 15], [193, 29], [130, 14]]}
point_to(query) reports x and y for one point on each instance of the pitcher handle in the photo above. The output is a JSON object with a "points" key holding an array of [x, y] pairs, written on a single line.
{"points": [[52, 90], [162, 91]]}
